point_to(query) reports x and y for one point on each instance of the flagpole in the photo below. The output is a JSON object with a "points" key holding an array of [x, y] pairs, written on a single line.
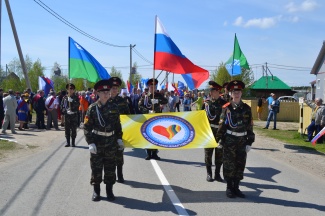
{"points": [[154, 61], [69, 70], [233, 58]]}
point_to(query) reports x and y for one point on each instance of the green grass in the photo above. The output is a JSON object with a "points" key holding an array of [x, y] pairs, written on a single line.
{"points": [[7, 145], [290, 137]]}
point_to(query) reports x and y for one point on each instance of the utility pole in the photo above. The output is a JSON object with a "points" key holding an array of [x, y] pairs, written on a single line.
{"points": [[20, 53], [130, 80]]}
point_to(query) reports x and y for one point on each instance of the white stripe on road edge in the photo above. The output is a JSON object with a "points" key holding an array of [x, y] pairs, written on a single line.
{"points": [[169, 190]]}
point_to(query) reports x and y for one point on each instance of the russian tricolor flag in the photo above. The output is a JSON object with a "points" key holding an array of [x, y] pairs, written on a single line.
{"points": [[168, 57], [45, 84]]}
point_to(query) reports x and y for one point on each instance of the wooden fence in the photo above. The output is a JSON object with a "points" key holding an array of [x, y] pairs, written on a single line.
{"points": [[289, 112]]}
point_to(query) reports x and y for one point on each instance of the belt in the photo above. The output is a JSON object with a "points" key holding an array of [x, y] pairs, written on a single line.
{"points": [[236, 133], [107, 134], [214, 126]]}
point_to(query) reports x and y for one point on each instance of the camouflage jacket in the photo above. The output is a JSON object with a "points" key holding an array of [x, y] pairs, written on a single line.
{"points": [[74, 105], [145, 103], [122, 104], [213, 109], [103, 118], [236, 118]]}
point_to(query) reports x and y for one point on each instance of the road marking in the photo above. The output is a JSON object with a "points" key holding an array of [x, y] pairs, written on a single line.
{"points": [[169, 190]]}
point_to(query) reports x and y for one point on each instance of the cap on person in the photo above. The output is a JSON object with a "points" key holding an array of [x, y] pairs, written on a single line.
{"points": [[115, 81], [102, 85], [235, 85], [70, 85], [152, 81], [272, 94], [225, 85], [214, 86]]}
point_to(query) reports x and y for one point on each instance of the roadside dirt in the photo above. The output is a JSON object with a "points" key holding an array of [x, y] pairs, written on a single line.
{"points": [[34, 140]]}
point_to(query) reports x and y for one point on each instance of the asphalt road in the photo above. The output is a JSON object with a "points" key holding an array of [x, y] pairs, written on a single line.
{"points": [[56, 182]]}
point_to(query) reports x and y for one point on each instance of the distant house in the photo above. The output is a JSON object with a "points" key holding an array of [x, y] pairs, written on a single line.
{"points": [[319, 70], [270, 84]]}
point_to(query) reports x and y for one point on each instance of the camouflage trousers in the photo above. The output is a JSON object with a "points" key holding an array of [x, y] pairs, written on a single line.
{"points": [[119, 157], [218, 153], [70, 125], [104, 160], [218, 156], [234, 157]]}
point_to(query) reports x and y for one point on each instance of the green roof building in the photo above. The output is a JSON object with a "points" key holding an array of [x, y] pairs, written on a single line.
{"points": [[270, 84]]}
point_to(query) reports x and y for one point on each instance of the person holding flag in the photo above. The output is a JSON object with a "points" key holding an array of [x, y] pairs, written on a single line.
{"points": [[152, 103], [70, 108], [213, 108]]}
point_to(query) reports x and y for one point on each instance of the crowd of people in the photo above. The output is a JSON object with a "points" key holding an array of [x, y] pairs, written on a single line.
{"points": [[98, 112]]}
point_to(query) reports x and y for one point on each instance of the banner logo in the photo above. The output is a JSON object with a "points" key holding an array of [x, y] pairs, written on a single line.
{"points": [[168, 131]]}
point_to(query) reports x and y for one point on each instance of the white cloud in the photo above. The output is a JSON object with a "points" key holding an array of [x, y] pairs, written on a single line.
{"points": [[239, 21], [266, 22], [307, 5]]}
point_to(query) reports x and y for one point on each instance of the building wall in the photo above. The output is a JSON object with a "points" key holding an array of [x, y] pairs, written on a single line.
{"points": [[320, 82]]}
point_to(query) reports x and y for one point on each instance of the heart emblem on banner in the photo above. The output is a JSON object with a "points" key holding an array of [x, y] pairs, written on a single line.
{"points": [[168, 132]]}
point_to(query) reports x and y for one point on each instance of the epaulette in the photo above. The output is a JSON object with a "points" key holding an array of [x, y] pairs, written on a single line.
{"points": [[225, 105]]}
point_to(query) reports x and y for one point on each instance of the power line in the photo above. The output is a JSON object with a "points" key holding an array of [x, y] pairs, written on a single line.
{"points": [[290, 66], [56, 15], [141, 56]]}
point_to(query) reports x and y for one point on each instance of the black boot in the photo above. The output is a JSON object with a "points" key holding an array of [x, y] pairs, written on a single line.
{"points": [[230, 189], [236, 189], [73, 142], [120, 178], [68, 142], [96, 193], [217, 176], [209, 174], [109, 192], [155, 155], [148, 154]]}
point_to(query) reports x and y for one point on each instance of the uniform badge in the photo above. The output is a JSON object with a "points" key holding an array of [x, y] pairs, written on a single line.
{"points": [[86, 120]]}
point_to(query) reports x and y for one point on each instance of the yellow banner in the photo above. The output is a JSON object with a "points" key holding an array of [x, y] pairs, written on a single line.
{"points": [[174, 130]]}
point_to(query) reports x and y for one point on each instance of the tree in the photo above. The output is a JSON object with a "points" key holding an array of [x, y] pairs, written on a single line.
{"points": [[36, 71], [136, 77], [117, 73], [14, 83], [59, 82], [220, 75], [15, 66]]}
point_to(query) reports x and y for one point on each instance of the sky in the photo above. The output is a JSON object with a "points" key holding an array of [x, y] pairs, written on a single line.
{"points": [[285, 34]]}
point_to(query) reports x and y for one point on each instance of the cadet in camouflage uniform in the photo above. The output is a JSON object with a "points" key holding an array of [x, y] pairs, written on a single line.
{"points": [[236, 134], [103, 133], [213, 108], [123, 108], [148, 102], [70, 108], [226, 95]]}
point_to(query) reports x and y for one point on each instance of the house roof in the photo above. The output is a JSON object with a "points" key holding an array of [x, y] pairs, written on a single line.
{"points": [[319, 60], [270, 82]]}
